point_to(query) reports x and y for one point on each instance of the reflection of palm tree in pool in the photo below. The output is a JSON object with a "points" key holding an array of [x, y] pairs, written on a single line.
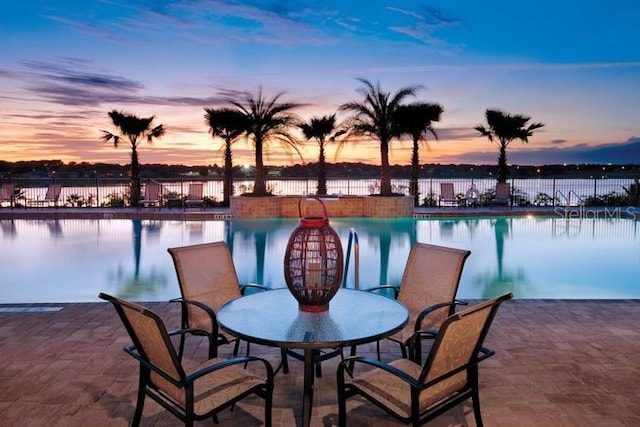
{"points": [[389, 233], [501, 281], [258, 232], [138, 284]]}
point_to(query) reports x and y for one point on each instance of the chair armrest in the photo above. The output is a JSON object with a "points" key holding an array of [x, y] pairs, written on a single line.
{"points": [[230, 362], [198, 304], [244, 287], [395, 289], [350, 361], [425, 312]]}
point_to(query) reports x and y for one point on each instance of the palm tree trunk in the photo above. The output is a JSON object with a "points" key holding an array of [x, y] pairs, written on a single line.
{"points": [[502, 163], [135, 178], [322, 172], [385, 178], [259, 183], [227, 191], [413, 185]]}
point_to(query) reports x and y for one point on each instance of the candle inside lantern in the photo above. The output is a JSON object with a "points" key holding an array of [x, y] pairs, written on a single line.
{"points": [[312, 273]]}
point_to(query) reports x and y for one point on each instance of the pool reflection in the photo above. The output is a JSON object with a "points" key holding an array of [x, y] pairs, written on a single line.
{"points": [[537, 257]]}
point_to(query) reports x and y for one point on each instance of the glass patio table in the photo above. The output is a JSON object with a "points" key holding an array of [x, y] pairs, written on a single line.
{"points": [[273, 318]]}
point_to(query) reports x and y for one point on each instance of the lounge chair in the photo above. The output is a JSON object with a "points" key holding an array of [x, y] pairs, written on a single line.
{"points": [[194, 198], [414, 392], [428, 288], [7, 193], [152, 195], [207, 278], [447, 194], [51, 197], [503, 195], [196, 394]]}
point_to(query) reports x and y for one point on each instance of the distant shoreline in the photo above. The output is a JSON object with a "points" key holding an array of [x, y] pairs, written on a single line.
{"points": [[57, 168]]}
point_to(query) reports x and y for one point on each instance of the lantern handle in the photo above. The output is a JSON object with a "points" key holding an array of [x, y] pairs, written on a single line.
{"points": [[324, 208]]}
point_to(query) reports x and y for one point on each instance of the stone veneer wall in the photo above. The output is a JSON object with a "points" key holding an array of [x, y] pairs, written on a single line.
{"points": [[349, 206]]}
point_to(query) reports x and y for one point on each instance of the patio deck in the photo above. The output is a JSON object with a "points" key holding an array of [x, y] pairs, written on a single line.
{"points": [[557, 363]]}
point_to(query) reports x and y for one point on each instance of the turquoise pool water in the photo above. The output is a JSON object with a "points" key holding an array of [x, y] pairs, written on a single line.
{"points": [[533, 257]]}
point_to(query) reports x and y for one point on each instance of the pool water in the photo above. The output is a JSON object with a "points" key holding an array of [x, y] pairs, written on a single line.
{"points": [[45, 261]]}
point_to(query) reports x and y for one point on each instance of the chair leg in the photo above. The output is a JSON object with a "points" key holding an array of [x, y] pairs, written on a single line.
{"points": [[285, 361], [140, 400]]}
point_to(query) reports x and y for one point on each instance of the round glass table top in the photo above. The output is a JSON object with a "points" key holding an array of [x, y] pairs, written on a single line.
{"points": [[273, 318]]}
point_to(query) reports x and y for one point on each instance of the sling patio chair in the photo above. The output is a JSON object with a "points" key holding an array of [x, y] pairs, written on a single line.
{"points": [[447, 194], [51, 197], [194, 198], [415, 392], [196, 394], [7, 194], [152, 195], [428, 289], [207, 278], [503, 195]]}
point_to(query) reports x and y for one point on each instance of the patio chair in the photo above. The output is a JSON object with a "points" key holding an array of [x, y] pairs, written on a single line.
{"points": [[194, 198], [207, 278], [7, 193], [428, 289], [447, 194], [152, 195], [503, 195], [415, 393], [198, 393], [51, 197]]}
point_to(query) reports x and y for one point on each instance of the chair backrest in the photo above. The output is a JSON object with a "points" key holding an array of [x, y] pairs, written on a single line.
{"points": [[195, 191], [7, 192], [431, 275], [152, 343], [503, 190], [53, 192], [152, 191], [458, 343], [206, 274], [447, 191]]}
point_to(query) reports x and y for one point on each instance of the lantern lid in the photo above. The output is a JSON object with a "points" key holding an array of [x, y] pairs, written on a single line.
{"points": [[314, 221]]}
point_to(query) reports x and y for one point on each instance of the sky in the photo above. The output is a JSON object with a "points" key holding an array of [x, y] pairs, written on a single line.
{"points": [[573, 65]]}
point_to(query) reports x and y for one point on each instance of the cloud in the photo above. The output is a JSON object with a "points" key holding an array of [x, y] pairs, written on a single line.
{"points": [[558, 141]]}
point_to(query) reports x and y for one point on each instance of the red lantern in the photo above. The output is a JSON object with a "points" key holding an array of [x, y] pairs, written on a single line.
{"points": [[313, 262]]}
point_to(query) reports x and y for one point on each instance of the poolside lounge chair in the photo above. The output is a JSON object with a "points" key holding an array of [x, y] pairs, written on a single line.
{"points": [[428, 288], [51, 197], [194, 394], [207, 278], [7, 193], [503, 195], [152, 195], [194, 198], [414, 392], [447, 194]]}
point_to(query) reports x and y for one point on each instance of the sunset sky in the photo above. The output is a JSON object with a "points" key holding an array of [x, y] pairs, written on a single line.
{"points": [[573, 65]]}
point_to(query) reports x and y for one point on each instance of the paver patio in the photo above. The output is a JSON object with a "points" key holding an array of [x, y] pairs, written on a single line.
{"points": [[558, 363]]}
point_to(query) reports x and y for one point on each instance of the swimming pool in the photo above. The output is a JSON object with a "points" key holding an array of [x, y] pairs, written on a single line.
{"points": [[53, 261]]}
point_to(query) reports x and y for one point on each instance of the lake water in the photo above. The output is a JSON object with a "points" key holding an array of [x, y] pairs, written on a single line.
{"points": [[533, 257]]}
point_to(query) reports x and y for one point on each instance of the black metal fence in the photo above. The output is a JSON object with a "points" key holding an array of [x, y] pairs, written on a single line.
{"points": [[114, 192]]}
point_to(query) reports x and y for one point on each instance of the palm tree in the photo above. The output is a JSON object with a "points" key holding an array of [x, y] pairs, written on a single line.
{"points": [[415, 120], [134, 129], [376, 116], [228, 124], [504, 128], [267, 121], [321, 128]]}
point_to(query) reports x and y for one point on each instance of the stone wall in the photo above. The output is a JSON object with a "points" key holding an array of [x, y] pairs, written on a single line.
{"points": [[350, 206]]}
